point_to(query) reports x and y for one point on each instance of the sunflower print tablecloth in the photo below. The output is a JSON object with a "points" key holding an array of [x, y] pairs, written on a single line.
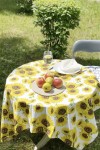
{"points": [[68, 116]]}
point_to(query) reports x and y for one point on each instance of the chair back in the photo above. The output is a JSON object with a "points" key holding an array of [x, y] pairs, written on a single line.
{"points": [[86, 45]]}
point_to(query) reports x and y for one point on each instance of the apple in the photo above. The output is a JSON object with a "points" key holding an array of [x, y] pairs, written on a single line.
{"points": [[47, 87], [40, 81], [57, 83], [49, 74], [49, 80]]}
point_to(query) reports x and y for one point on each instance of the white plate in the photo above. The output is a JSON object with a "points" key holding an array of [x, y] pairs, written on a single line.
{"points": [[57, 67], [40, 91]]}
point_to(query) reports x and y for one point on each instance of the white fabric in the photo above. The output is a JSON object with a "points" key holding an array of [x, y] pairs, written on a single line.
{"points": [[69, 65]]}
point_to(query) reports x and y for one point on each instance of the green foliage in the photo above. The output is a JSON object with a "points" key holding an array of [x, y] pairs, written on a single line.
{"points": [[25, 5], [56, 18]]}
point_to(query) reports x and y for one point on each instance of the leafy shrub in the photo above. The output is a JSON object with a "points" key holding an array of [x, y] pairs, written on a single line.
{"points": [[56, 17], [25, 5]]}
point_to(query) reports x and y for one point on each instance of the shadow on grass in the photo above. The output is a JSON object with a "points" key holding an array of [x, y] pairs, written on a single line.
{"points": [[8, 5], [13, 53], [12, 7]]}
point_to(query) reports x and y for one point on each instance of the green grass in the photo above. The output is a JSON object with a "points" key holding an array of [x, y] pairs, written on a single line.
{"points": [[20, 43]]}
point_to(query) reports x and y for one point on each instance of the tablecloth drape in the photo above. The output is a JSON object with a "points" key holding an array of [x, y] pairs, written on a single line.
{"points": [[68, 116]]}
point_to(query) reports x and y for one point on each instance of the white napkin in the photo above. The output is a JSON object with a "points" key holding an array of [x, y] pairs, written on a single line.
{"points": [[70, 66]]}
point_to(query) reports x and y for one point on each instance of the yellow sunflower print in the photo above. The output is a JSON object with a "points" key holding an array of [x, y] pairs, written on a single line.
{"points": [[20, 127], [65, 130], [17, 93], [51, 111], [45, 120], [87, 89], [21, 72], [69, 137], [79, 122], [61, 121], [45, 99], [73, 91], [82, 107], [13, 79], [91, 81], [70, 110], [61, 110], [89, 113], [73, 120], [16, 88], [57, 98], [20, 120], [84, 136], [89, 128], [38, 108], [96, 101], [71, 85]]}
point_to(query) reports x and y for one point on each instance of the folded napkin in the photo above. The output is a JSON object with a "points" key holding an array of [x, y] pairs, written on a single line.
{"points": [[70, 66]]}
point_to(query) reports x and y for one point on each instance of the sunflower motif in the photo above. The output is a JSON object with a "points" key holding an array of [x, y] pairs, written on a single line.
{"points": [[5, 110], [18, 93], [66, 77], [20, 127], [89, 114], [38, 108], [71, 86], [87, 89], [96, 101], [21, 72], [65, 130], [70, 110], [89, 128], [45, 99], [85, 136], [49, 131], [61, 121], [71, 100], [20, 120], [22, 105], [82, 107], [14, 87], [67, 140], [13, 79], [39, 128], [73, 91], [91, 81], [45, 120], [73, 120], [5, 128], [51, 111], [79, 123], [61, 110], [57, 98]]}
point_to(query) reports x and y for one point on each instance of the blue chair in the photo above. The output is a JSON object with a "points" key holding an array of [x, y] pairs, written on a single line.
{"points": [[88, 46]]}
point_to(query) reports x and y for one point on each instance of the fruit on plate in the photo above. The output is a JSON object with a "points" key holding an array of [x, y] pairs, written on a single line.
{"points": [[49, 80], [47, 87], [40, 81], [57, 83], [49, 74]]}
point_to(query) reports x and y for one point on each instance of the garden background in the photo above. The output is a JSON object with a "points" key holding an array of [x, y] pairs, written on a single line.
{"points": [[20, 44]]}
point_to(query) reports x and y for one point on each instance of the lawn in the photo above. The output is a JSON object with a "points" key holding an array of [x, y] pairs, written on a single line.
{"points": [[20, 43]]}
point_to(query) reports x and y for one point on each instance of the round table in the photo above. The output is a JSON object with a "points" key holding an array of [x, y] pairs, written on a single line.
{"points": [[68, 116]]}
